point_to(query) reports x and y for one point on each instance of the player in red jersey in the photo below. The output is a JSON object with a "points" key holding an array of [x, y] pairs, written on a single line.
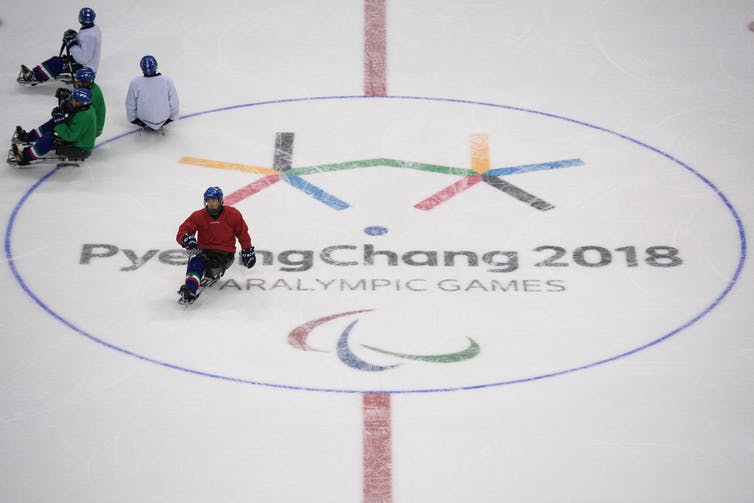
{"points": [[217, 228]]}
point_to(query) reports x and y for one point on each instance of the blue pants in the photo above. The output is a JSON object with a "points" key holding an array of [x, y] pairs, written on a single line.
{"points": [[210, 263], [38, 132], [44, 141], [49, 69]]}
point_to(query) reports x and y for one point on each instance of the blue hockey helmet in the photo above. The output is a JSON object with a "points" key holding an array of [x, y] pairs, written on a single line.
{"points": [[85, 75], [213, 193], [148, 65], [86, 16], [82, 94]]}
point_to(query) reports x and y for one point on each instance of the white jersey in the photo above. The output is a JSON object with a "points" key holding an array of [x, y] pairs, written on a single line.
{"points": [[89, 48], [153, 100]]}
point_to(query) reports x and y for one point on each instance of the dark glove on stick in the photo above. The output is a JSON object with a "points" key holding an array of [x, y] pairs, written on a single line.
{"points": [[58, 115], [189, 242], [62, 94], [69, 39], [248, 257]]}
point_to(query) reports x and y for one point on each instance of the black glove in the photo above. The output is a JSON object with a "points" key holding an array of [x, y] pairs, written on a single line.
{"points": [[58, 115], [189, 242], [67, 107], [62, 94], [248, 257], [69, 38]]}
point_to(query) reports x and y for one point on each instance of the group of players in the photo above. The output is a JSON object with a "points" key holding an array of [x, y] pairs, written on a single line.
{"points": [[79, 117], [151, 103]]}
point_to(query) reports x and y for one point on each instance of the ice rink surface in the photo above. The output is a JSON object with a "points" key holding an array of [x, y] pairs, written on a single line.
{"points": [[508, 264]]}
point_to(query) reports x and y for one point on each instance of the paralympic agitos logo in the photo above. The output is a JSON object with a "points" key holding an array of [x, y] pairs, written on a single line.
{"points": [[299, 339]]}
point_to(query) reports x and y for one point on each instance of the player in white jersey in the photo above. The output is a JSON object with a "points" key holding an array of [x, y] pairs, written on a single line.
{"points": [[84, 48], [151, 100]]}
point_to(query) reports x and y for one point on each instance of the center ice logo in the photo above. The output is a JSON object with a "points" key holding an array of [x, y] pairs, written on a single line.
{"points": [[461, 225]]}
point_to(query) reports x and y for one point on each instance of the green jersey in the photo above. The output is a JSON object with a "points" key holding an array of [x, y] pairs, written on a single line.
{"points": [[98, 104], [80, 129]]}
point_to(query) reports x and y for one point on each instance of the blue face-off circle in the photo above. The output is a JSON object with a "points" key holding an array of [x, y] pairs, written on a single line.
{"points": [[376, 230]]}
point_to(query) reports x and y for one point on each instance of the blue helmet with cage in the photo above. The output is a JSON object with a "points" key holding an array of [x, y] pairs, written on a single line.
{"points": [[84, 75], [82, 94], [86, 16], [213, 193], [148, 65]]}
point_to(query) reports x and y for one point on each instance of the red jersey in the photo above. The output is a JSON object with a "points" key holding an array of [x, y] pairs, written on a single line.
{"points": [[217, 233]]}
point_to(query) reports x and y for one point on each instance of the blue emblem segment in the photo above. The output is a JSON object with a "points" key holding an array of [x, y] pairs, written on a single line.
{"points": [[513, 170], [376, 230], [350, 359], [314, 191]]}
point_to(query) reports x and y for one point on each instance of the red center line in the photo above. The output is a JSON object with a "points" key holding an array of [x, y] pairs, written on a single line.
{"points": [[378, 484], [377, 455], [375, 48]]}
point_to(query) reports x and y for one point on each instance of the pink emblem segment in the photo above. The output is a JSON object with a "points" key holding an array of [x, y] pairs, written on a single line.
{"points": [[251, 189], [448, 192], [299, 335]]}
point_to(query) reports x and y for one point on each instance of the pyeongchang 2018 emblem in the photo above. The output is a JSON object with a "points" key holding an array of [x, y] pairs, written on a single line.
{"points": [[404, 244]]}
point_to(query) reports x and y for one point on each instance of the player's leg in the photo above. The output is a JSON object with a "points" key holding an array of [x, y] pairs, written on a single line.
{"points": [[217, 262], [48, 69], [22, 136], [194, 272], [39, 148], [229, 259]]}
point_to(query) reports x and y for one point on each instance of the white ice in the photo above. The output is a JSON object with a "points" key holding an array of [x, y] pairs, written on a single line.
{"points": [[111, 392]]}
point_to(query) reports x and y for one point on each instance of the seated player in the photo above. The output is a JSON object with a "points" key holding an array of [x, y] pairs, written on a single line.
{"points": [[71, 132], [84, 77], [217, 227], [84, 48], [151, 101]]}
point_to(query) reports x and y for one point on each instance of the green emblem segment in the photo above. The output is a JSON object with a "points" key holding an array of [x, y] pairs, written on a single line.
{"points": [[466, 354]]}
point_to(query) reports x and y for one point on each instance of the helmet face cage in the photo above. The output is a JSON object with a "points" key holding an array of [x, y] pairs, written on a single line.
{"points": [[84, 75], [213, 193], [148, 65], [82, 94], [86, 16]]}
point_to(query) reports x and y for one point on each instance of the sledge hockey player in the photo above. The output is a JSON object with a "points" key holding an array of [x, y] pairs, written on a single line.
{"points": [[217, 227], [70, 132], [84, 77], [151, 101], [83, 47]]}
